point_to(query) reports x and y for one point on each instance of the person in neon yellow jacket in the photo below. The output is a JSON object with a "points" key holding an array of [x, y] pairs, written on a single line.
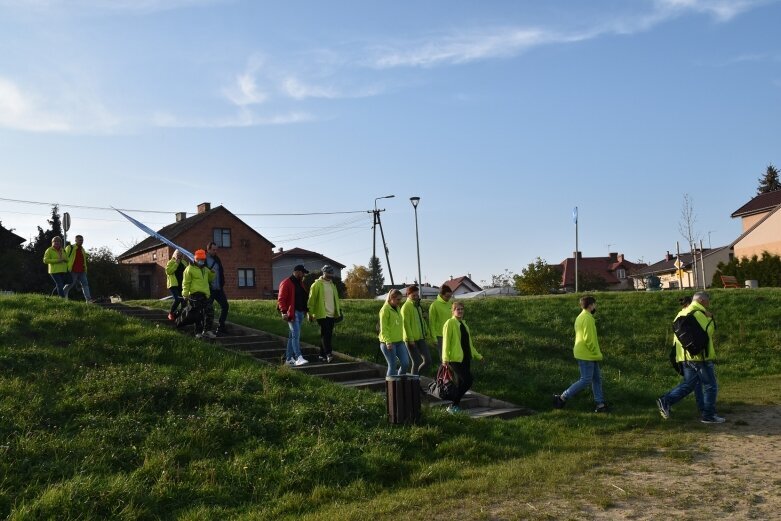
{"points": [[697, 369], [174, 274], [415, 331], [438, 313], [391, 335], [324, 306], [196, 282], [77, 266], [588, 355], [458, 351], [57, 262]]}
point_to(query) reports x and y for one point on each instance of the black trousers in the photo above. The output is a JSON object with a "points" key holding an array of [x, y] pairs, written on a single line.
{"points": [[222, 300], [326, 333], [463, 372]]}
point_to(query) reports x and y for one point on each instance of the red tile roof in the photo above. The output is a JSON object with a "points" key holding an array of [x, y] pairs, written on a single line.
{"points": [[453, 284], [602, 267]]}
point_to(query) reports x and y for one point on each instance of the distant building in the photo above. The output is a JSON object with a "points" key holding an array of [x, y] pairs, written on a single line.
{"points": [[9, 239], [761, 221], [461, 285], [283, 262], [245, 254], [667, 271], [613, 270]]}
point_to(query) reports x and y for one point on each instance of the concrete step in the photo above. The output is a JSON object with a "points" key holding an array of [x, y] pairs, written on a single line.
{"points": [[250, 346], [344, 376], [466, 402], [489, 412], [367, 384], [319, 368], [246, 339]]}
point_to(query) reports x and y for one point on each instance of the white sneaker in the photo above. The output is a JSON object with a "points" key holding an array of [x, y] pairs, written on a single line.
{"points": [[290, 361], [301, 361], [198, 335], [209, 334], [715, 419]]}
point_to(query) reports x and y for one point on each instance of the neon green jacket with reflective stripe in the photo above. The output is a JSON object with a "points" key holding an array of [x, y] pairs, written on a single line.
{"points": [[391, 327], [681, 355], [52, 258], [415, 328], [451, 342], [586, 342]]}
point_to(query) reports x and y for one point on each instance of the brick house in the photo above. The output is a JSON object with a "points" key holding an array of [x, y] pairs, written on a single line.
{"points": [[614, 270], [283, 262], [245, 254], [761, 222], [707, 260]]}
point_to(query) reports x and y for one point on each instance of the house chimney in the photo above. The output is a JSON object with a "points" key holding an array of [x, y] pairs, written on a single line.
{"points": [[204, 207], [613, 256], [181, 216], [667, 257], [577, 254], [620, 257], [281, 249]]}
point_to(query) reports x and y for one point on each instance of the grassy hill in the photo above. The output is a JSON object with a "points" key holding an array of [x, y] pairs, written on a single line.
{"points": [[102, 416]]}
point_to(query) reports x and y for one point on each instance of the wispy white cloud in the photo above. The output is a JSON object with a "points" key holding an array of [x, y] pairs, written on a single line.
{"points": [[243, 119], [721, 10], [21, 110], [244, 90]]}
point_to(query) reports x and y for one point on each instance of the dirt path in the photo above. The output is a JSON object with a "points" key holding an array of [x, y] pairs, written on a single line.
{"points": [[738, 477]]}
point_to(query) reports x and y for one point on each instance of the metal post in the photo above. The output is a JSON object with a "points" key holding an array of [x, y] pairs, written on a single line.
{"points": [[375, 222], [679, 269], [702, 267], [575, 217], [415, 201]]}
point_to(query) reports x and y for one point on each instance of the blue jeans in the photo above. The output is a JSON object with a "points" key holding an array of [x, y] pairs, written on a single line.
{"points": [[694, 374], [294, 336], [589, 375], [60, 281], [396, 350], [176, 293], [222, 300], [79, 278]]}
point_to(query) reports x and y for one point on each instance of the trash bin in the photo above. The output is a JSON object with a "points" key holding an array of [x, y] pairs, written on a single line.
{"points": [[403, 398], [752, 284]]}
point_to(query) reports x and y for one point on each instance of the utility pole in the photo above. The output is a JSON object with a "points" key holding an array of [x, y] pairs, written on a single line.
{"points": [[377, 221]]}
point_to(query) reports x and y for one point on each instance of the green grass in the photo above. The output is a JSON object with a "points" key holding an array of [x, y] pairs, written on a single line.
{"points": [[102, 416]]}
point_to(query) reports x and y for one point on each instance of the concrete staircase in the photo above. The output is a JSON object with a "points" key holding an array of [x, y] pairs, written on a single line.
{"points": [[344, 369]]}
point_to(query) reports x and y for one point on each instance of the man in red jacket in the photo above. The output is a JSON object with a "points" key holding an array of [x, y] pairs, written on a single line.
{"points": [[292, 305]]}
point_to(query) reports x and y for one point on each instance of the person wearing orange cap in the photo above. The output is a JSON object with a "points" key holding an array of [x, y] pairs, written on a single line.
{"points": [[195, 287]]}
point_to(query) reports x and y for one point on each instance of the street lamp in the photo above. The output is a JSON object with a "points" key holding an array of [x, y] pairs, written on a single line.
{"points": [[415, 200], [375, 222]]}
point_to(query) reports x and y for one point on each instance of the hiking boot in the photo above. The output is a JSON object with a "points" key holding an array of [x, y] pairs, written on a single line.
{"points": [[171, 317], [222, 330], [209, 334], [300, 361], [198, 335], [602, 408], [329, 359], [664, 409], [322, 358], [558, 401], [453, 409], [714, 419]]}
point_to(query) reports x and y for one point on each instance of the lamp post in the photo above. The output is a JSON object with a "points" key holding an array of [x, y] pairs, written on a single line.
{"points": [[374, 236], [415, 200]]}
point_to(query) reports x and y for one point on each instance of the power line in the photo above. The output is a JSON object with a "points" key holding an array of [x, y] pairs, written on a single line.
{"points": [[83, 207]]}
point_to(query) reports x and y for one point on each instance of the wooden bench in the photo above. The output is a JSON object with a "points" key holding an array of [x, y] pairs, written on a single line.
{"points": [[728, 281]]}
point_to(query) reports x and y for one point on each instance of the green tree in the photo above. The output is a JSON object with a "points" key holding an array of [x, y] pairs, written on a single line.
{"points": [[36, 274], [591, 282], [538, 278], [769, 182], [766, 270], [357, 282], [502, 280], [376, 278], [106, 276]]}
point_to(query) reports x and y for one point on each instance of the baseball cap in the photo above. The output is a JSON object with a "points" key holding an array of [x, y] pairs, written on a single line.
{"points": [[328, 269], [300, 267]]}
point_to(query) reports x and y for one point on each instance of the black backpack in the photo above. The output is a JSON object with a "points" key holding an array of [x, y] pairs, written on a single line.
{"points": [[690, 334]]}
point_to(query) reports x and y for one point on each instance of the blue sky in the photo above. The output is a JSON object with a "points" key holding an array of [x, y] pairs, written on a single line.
{"points": [[501, 116]]}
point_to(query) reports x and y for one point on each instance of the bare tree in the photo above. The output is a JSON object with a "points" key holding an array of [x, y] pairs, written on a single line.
{"points": [[688, 221]]}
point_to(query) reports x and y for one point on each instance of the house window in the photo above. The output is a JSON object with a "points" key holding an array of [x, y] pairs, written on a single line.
{"points": [[246, 277], [222, 237], [621, 273]]}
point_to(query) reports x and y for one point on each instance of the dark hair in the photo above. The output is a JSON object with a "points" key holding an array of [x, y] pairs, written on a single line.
{"points": [[412, 289], [586, 301], [445, 289], [79, 237], [210, 245], [684, 301]]}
